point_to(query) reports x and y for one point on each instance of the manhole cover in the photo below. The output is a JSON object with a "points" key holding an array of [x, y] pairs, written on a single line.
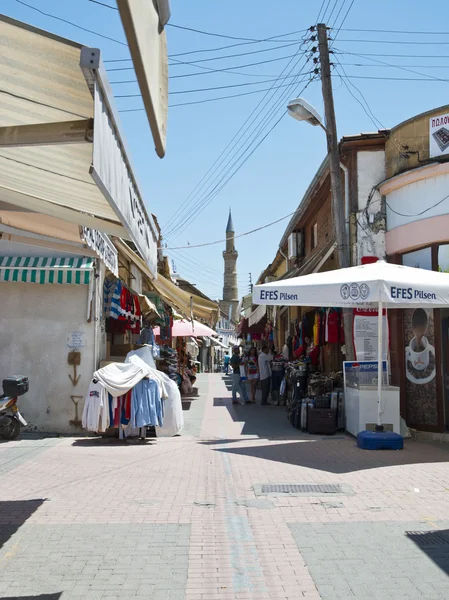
{"points": [[429, 538], [301, 488]]}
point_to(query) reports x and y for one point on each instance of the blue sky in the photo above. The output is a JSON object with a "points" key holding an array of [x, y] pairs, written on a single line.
{"points": [[271, 183]]}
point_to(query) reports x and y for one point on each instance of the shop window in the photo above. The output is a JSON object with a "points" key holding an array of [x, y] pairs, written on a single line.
{"points": [[314, 236], [420, 259], [443, 258]]}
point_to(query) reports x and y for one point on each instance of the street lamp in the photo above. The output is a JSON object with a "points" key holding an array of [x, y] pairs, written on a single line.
{"points": [[301, 110]]}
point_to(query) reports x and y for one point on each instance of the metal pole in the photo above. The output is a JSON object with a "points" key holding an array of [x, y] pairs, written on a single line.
{"points": [[379, 362], [338, 206]]}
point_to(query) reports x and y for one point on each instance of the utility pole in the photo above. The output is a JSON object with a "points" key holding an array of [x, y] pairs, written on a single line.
{"points": [[250, 283], [338, 210]]}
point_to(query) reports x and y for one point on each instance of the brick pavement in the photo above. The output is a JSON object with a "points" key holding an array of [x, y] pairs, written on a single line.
{"points": [[180, 518]]}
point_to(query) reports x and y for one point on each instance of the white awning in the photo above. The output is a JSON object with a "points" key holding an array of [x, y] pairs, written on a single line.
{"points": [[257, 315], [46, 135]]}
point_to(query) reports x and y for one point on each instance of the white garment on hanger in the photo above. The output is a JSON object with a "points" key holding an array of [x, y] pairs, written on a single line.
{"points": [[285, 352], [96, 413], [119, 378], [173, 415], [151, 373]]}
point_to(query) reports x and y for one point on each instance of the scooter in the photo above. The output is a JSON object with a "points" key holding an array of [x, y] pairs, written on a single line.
{"points": [[11, 420]]}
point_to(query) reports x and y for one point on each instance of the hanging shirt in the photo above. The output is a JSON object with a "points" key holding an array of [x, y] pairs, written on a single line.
{"points": [[333, 327], [96, 408], [146, 404]]}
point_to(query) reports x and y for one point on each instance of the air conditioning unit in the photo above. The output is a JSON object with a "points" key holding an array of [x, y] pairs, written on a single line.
{"points": [[295, 245]]}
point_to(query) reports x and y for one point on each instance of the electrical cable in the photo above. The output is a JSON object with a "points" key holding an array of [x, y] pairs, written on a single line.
{"points": [[217, 189], [182, 63], [238, 55], [407, 55], [395, 66], [395, 42], [224, 154], [103, 4], [344, 19], [231, 146], [338, 14], [431, 80], [231, 170], [106, 37], [211, 89], [381, 62], [231, 37], [238, 235], [420, 213], [398, 31], [285, 85]]}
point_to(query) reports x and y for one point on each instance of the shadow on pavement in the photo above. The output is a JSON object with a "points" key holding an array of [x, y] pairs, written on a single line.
{"points": [[336, 455], [261, 421], [13, 514], [41, 597], [435, 544]]}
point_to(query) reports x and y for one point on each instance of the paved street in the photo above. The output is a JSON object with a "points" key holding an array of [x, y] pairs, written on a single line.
{"points": [[190, 518]]}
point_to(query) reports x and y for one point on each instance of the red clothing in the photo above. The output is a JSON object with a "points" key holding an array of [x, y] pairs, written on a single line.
{"points": [[299, 352], [333, 327], [315, 355]]}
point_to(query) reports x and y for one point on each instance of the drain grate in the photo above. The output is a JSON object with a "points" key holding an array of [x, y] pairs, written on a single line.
{"points": [[301, 488], [429, 538]]}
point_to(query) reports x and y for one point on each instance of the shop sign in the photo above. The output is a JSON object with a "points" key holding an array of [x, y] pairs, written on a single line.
{"points": [[76, 339], [439, 135], [112, 173], [102, 246], [365, 334]]}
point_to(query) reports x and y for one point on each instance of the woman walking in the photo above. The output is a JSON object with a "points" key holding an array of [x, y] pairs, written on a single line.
{"points": [[252, 369]]}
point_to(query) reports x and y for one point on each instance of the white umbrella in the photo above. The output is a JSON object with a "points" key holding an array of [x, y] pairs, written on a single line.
{"points": [[378, 285]]}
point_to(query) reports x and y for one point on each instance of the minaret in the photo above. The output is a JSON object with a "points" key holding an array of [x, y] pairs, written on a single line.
{"points": [[230, 289]]}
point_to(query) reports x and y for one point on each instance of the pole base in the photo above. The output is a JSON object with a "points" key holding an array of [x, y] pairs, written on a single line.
{"points": [[379, 428]]}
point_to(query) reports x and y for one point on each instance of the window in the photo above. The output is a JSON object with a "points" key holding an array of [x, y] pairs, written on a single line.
{"points": [[314, 236], [443, 258], [420, 259]]}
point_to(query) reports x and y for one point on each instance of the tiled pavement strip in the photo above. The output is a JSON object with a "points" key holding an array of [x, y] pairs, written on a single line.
{"points": [[178, 519]]}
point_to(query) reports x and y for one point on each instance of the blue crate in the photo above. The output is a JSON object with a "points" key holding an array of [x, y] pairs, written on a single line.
{"points": [[380, 440]]}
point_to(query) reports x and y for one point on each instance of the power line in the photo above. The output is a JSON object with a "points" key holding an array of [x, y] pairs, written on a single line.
{"points": [[344, 19], [414, 43], [381, 62], [224, 154], [214, 99], [226, 56], [211, 89], [420, 213], [404, 55], [398, 31], [106, 37], [239, 138], [231, 37], [399, 78], [239, 235], [395, 66], [217, 189], [237, 45], [103, 4]]}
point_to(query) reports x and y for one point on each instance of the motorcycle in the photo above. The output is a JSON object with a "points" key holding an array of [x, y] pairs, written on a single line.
{"points": [[11, 420]]}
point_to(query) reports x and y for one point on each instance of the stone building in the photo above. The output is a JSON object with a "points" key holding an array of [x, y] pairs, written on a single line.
{"points": [[230, 289]]}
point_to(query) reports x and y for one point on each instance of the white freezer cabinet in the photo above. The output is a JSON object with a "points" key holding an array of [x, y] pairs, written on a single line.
{"points": [[361, 407]]}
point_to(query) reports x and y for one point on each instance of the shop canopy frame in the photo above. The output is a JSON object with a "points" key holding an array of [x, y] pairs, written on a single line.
{"points": [[379, 285], [62, 152]]}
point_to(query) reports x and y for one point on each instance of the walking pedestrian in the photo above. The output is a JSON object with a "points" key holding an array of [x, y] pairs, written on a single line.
{"points": [[252, 369], [265, 374], [238, 387], [227, 360]]}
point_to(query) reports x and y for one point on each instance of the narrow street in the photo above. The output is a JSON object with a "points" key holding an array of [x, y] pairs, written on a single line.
{"points": [[190, 518]]}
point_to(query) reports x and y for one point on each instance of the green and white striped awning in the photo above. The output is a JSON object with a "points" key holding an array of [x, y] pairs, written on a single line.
{"points": [[37, 269]]}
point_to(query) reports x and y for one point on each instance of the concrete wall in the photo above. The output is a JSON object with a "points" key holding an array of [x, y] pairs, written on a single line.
{"points": [[370, 217], [36, 323]]}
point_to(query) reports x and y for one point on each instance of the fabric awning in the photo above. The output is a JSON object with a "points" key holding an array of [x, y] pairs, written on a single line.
{"points": [[34, 269], [202, 309], [218, 343], [147, 307], [257, 315]]}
